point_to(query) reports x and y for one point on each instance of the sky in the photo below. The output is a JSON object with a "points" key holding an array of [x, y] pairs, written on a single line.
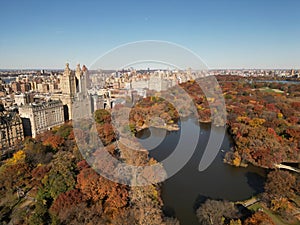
{"points": [[224, 33]]}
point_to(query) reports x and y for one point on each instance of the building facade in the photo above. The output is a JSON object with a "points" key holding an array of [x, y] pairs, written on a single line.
{"points": [[11, 130], [41, 117], [74, 96], [68, 82], [23, 98]]}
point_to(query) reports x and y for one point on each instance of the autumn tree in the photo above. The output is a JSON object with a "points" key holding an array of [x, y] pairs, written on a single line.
{"points": [[215, 212], [280, 184], [38, 173], [53, 140], [97, 188], [106, 133], [146, 205], [259, 218], [102, 116], [65, 202], [37, 153]]}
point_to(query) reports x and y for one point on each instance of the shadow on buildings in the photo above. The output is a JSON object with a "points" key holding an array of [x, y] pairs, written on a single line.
{"points": [[66, 112], [27, 127]]}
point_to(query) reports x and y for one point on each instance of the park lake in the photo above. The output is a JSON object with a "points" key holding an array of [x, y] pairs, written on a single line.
{"points": [[183, 193]]}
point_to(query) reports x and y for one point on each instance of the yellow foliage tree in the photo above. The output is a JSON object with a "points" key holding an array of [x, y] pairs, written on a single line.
{"points": [[256, 122], [279, 115], [235, 222], [237, 159], [243, 119], [277, 204], [18, 157]]}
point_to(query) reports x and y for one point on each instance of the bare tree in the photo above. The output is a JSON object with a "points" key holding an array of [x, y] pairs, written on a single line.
{"points": [[215, 212]]}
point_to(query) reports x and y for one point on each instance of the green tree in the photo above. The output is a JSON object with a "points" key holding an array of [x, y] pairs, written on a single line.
{"points": [[102, 116], [62, 176]]}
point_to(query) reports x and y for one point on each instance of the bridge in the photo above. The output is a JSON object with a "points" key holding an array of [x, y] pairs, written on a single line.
{"points": [[248, 202], [282, 166]]}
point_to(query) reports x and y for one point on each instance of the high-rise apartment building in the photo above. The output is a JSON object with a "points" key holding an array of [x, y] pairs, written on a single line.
{"points": [[41, 117], [11, 129], [73, 86]]}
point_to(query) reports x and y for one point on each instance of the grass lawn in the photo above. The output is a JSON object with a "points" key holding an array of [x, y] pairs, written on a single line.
{"points": [[267, 89], [255, 207]]}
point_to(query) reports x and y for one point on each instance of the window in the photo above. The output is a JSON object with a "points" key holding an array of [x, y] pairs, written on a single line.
{"points": [[3, 135]]}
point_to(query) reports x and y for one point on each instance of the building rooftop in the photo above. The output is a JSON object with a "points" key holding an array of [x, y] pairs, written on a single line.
{"points": [[8, 117]]}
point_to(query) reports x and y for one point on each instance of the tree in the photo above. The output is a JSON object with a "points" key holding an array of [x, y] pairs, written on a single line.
{"points": [[102, 116], [37, 153], [235, 222], [38, 173], [13, 177], [215, 212], [146, 205], [62, 176], [64, 130], [259, 218], [18, 157], [82, 213], [280, 184], [106, 133], [40, 214], [64, 203], [97, 188], [53, 140]]}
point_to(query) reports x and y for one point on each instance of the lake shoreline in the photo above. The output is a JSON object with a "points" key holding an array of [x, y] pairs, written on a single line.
{"points": [[189, 181]]}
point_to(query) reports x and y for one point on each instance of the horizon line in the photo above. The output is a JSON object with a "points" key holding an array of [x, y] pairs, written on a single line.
{"points": [[209, 69]]}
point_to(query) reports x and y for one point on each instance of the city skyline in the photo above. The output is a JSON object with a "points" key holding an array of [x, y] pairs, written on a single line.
{"points": [[225, 34]]}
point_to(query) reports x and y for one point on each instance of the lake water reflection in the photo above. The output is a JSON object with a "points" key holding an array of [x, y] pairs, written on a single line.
{"points": [[181, 193]]}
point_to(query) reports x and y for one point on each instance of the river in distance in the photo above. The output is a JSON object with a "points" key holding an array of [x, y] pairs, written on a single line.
{"points": [[183, 193]]}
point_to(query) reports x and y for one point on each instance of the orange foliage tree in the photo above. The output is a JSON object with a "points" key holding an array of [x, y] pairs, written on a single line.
{"points": [[259, 218]]}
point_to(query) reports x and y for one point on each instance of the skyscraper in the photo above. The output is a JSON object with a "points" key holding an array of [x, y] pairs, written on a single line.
{"points": [[73, 87]]}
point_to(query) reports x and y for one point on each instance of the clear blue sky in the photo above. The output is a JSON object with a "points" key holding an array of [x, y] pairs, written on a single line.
{"points": [[224, 33]]}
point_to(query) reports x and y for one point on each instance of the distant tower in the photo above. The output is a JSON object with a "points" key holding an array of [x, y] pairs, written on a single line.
{"points": [[81, 81], [82, 105], [68, 89], [78, 74], [84, 80], [74, 95], [293, 72], [87, 77], [68, 82]]}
